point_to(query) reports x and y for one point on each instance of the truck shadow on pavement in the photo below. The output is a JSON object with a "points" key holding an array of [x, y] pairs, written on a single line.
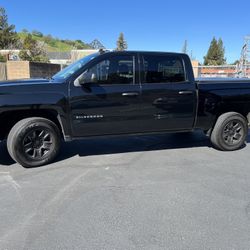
{"points": [[124, 144]]}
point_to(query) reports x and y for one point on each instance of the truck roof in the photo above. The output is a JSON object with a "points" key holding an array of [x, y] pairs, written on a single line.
{"points": [[221, 79], [142, 51]]}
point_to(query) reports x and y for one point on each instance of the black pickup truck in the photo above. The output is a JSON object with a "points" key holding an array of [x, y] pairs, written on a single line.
{"points": [[115, 93]]}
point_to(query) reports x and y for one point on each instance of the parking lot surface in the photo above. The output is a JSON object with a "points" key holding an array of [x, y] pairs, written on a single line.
{"points": [[144, 192]]}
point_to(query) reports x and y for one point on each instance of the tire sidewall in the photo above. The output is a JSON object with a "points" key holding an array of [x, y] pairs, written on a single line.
{"points": [[17, 143], [221, 141]]}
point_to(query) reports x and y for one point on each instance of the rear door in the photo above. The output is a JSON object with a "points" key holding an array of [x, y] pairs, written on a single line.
{"points": [[168, 96]]}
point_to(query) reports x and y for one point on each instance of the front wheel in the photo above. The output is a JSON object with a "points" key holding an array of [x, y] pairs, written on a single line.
{"points": [[230, 132], [34, 142]]}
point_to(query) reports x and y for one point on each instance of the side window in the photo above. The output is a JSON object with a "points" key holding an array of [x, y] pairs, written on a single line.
{"points": [[113, 70], [162, 69]]}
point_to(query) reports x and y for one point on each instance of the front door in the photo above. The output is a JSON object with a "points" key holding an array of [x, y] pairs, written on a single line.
{"points": [[109, 103]]}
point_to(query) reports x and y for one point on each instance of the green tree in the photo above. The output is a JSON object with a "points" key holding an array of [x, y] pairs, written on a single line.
{"points": [[8, 36], [236, 62], [79, 44], [221, 52], [216, 53], [121, 43], [32, 50]]}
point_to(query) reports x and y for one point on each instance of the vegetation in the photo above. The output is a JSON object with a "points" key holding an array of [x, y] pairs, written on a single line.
{"points": [[8, 36], [53, 44], [33, 51], [35, 44], [216, 53], [236, 62], [121, 43], [2, 58], [9, 39], [37, 33]]}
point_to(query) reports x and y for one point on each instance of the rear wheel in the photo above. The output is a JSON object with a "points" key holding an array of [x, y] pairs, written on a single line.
{"points": [[230, 132], [34, 142]]}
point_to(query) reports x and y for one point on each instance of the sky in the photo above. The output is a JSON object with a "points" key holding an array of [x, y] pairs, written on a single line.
{"points": [[159, 25]]}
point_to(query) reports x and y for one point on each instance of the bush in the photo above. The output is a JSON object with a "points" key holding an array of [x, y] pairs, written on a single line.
{"points": [[2, 58], [33, 51], [37, 33]]}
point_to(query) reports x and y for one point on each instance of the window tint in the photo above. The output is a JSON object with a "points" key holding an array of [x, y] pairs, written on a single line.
{"points": [[114, 70], [161, 69]]}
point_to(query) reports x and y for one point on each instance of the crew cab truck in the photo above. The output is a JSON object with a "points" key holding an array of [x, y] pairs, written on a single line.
{"points": [[115, 93]]}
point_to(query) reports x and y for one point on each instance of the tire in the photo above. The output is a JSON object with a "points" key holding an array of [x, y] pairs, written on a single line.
{"points": [[34, 142], [229, 132]]}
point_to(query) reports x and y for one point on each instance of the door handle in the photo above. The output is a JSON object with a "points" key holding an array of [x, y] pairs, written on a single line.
{"points": [[130, 94], [185, 92], [159, 101]]}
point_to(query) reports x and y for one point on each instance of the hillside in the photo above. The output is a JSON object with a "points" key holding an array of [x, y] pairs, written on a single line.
{"points": [[54, 44]]}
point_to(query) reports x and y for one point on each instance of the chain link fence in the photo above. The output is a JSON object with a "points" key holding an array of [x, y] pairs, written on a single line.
{"points": [[231, 71]]}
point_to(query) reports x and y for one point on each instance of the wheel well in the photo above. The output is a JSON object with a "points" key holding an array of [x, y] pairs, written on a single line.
{"points": [[10, 118], [245, 114]]}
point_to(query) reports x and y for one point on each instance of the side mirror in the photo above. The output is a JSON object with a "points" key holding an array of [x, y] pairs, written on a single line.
{"points": [[86, 77]]}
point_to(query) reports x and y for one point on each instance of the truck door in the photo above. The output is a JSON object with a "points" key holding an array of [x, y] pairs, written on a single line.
{"points": [[110, 102], [168, 97]]}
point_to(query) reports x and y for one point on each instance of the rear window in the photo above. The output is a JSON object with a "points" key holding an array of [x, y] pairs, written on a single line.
{"points": [[162, 69]]}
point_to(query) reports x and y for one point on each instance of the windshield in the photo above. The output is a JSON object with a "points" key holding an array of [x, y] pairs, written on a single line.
{"points": [[72, 68]]}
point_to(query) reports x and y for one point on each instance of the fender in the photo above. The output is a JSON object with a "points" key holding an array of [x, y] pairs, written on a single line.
{"points": [[18, 101]]}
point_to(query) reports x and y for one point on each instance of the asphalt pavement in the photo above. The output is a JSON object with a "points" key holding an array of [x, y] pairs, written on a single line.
{"points": [[170, 191]]}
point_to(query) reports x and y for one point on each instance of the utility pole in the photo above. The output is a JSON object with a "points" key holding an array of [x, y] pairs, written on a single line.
{"points": [[244, 60]]}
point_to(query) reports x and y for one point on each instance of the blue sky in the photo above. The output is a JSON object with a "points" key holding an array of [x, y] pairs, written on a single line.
{"points": [[147, 25]]}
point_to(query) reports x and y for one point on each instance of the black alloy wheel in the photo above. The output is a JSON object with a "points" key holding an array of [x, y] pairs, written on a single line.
{"points": [[37, 143], [233, 132]]}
